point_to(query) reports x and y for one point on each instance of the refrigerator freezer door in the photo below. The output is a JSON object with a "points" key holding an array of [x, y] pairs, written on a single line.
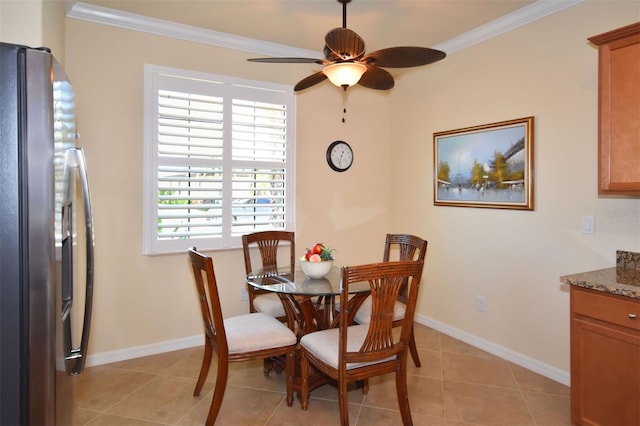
{"points": [[12, 391], [38, 190]]}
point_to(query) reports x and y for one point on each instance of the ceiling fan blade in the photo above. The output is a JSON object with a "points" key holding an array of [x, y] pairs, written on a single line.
{"points": [[329, 55], [288, 60], [376, 78], [344, 43], [307, 82], [403, 57]]}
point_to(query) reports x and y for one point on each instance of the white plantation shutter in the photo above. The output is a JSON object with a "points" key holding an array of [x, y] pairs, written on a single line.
{"points": [[218, 160]]}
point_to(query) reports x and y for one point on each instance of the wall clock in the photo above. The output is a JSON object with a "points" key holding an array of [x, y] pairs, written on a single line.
{"points": [[339, 156]]}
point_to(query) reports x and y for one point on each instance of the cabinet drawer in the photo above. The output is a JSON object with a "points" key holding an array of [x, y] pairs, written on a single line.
{"points": [[607, 308]]}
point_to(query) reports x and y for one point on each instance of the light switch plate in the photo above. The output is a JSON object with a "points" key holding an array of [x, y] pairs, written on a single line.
{"points": [[587, 225]]}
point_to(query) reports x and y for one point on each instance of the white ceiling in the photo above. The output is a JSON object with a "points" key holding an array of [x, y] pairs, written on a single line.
{"points": [[303, 23]]}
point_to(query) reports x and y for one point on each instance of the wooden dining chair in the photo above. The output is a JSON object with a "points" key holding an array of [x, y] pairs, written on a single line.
{"points": [[352, 353], [235, 339], [403, 247], [269, 245]]}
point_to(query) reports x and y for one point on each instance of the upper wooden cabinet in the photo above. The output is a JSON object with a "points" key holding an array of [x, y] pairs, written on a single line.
{"points": [[619, 110]]}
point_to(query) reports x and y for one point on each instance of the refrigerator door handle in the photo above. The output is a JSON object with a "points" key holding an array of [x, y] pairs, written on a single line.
{"points": [[75, 358]]}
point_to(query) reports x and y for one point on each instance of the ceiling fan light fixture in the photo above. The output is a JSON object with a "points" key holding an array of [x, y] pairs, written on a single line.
{"points": [[344, 74]]}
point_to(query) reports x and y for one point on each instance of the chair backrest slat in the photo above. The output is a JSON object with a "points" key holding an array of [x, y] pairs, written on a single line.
{"points": [[386, 280], [268, 243], [409, 247]]}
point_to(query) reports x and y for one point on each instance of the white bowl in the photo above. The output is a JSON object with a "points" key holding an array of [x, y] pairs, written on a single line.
{"points": [[316, 269]]}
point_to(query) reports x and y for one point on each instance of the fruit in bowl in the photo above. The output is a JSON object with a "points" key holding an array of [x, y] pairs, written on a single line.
{"points": [[317, 261], [318, 253]]}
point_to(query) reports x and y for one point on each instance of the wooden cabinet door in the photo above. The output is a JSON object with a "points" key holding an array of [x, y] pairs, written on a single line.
{"points": [[605, 375], [619, 110]]}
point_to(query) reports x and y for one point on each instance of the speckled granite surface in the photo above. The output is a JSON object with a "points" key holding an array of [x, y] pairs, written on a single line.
{"points": [[628, 260], [623, 280]]}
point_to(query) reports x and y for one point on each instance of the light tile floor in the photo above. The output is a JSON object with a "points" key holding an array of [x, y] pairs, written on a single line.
{"points": [[457, 385]]}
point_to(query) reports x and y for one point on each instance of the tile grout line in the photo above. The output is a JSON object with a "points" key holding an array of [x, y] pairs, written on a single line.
{"points": [[105, 411], [444, 405], [277, 407], [526, 404]]}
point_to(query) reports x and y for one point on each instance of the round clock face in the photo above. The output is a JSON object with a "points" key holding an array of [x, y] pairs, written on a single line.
{"points": [[339, 156]]}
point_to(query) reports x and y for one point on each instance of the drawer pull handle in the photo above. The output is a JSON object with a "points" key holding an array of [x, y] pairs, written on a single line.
{"points": [[632, 316]]}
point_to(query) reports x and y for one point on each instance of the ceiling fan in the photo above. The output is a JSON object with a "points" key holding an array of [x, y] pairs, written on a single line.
{"points": [[346, 62]]}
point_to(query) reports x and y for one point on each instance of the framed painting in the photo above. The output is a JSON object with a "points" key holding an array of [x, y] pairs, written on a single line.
{"points": [[488, 166]]}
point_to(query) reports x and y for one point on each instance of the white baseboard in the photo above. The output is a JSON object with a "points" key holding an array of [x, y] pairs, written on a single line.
{"points": [[524, 361], [144, 350], [536, 366]]}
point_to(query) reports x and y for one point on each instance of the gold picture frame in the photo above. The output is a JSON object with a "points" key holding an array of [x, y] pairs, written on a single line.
{"points": [[486, 166]]}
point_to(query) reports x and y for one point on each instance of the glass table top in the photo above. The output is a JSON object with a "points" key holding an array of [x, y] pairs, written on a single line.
{"points": [[297, 283]]}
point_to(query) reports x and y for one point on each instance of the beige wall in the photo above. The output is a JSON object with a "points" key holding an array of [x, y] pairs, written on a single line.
{"points": [[33, 23], [20, 22], [546, 69]]}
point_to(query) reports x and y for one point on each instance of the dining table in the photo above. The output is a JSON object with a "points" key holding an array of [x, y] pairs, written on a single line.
{"points": [[310, 305]]}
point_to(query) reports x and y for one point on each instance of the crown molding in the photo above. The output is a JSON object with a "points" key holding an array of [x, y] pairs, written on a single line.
{"points": [[506, 23], [134, 22]]}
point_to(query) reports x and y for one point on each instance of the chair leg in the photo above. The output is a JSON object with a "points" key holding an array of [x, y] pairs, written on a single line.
{"points": [[218, 391], [365, 386], [266, 367], [403, 396], [204, 369], [414, 350], [344, 402], [289, 372], [304, 381]]}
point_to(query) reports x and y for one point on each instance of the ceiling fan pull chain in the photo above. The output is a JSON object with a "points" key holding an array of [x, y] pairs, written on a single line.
{"points": [[344, 105]]}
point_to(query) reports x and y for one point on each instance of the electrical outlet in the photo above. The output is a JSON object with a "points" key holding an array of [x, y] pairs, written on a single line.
{"points": [[244, 294], [481, 303]]}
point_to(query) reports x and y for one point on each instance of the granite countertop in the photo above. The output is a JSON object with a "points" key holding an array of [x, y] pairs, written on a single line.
{"points": [[623, 279], [608, 281]]}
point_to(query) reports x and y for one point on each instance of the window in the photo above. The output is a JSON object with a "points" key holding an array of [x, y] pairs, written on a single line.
{"points": [[218, 159]]}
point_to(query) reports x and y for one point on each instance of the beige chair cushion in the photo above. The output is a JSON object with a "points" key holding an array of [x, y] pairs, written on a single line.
{"points": [[363, 316], [253, 332], [324, 344], [269, 304]]}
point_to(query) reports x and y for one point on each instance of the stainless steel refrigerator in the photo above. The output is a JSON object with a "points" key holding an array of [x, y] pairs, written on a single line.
{"points": [[46, 241]]}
